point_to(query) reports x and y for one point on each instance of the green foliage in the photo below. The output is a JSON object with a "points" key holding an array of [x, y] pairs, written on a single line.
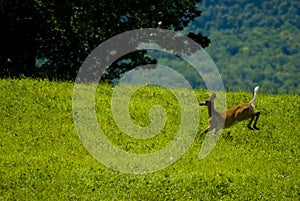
{"points": [[254, 42], [42, 158], [62, 35]]}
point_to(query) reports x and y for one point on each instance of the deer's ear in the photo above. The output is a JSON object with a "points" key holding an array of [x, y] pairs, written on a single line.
{"points": [[213, 96]]}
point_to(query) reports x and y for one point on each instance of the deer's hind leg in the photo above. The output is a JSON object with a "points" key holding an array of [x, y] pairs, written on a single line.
{"points": [[254, 118], [257, 113]]}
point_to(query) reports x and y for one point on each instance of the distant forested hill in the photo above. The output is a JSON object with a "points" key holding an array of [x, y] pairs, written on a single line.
{"points": [[254, 42]]}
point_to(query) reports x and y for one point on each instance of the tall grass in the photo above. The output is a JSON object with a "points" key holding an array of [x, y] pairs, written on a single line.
{"points": [[42, 157]]}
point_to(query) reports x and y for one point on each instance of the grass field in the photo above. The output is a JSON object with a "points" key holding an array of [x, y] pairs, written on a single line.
{"points": [[42, 157]]}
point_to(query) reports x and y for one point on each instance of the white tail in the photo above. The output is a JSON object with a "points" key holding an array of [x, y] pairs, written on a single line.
{"points": [[231, 116], [254, 95]]}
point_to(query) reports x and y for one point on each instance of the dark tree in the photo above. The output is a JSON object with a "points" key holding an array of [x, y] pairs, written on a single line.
{"points": [[18, 46], [61, 34]]}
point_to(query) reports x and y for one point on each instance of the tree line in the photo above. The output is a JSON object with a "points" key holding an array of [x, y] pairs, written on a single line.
{"points": [[254, 42], [51, 38]]}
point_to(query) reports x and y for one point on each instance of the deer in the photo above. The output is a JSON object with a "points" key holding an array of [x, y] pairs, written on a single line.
{"points": [[229, 117]]}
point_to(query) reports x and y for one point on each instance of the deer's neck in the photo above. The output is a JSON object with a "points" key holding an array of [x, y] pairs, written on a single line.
{"points": [[211, 108]]}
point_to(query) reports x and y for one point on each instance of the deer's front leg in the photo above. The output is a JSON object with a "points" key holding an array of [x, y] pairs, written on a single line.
{"points": [[205, 130]]}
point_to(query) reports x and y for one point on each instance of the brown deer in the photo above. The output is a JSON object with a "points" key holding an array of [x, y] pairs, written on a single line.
{"points": [[225, 119]]}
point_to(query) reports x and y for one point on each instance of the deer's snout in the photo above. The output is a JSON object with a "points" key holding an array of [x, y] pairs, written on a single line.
{"points": [[203, 103]]}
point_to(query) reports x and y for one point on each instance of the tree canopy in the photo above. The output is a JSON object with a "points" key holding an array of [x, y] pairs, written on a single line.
{"points": [[52, 38], [254, 42]]}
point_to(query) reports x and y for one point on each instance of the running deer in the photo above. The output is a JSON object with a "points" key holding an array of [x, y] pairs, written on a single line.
{"points": [[225, 119]]}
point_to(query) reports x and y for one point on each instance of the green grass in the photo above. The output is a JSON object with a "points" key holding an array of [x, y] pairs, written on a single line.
{"points": [[42, 157]]}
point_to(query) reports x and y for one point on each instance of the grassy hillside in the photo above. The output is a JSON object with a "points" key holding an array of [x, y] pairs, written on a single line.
{"points": [[42, 158], [253, 42]]}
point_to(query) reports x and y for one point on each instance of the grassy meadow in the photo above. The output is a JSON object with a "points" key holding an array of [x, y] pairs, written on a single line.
{"points": [[42, 157]]}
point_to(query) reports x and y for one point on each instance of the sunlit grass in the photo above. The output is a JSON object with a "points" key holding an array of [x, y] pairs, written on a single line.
{"points": [[42, 157]]}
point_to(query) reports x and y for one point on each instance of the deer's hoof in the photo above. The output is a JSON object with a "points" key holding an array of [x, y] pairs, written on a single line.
{"points": [[255, 128], [250, 128]]}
